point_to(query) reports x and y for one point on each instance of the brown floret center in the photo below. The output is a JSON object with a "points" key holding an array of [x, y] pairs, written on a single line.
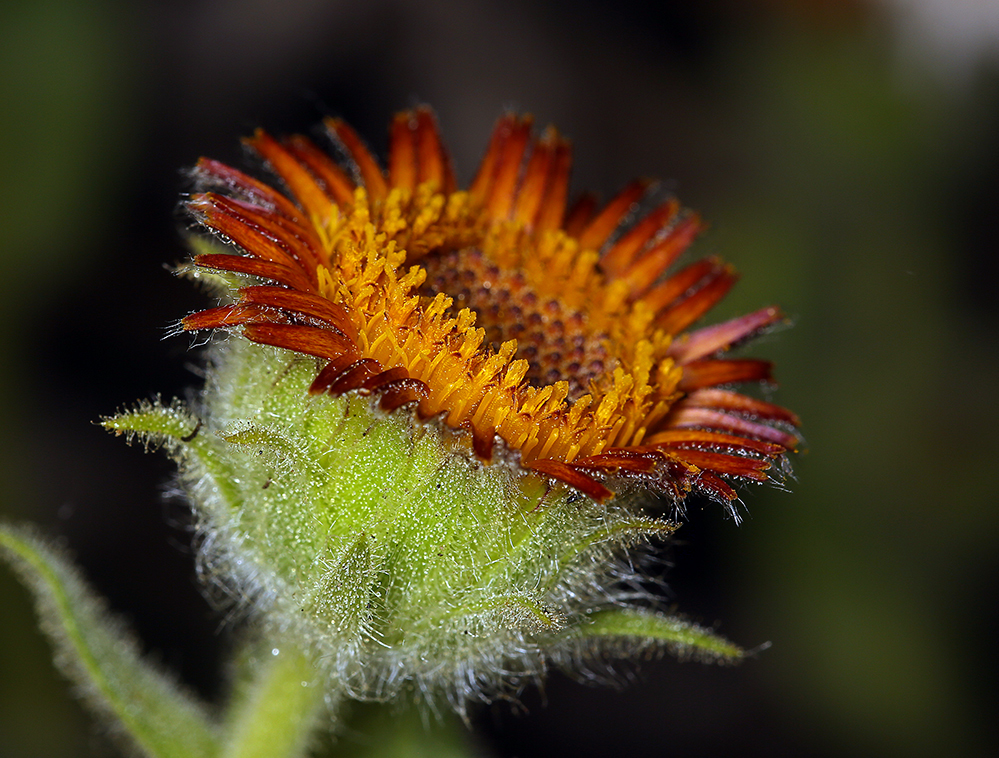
{"points": [[553, 339]]}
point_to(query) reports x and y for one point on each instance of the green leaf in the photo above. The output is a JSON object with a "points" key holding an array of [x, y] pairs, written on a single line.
{"points": [[94, 651], [631, 632]]}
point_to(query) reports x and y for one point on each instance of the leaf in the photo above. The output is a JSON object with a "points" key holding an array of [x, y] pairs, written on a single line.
{"points": [[627, 633], [96, 653]]}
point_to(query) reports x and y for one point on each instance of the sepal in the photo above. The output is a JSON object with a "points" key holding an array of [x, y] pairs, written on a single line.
{"points": [[628, 633], [181, 434]]}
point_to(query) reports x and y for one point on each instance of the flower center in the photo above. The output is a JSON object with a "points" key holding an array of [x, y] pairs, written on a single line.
{"points": [[553, 339]]}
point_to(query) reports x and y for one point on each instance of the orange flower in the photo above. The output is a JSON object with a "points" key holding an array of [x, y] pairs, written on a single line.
{"points": [[554, 337]]}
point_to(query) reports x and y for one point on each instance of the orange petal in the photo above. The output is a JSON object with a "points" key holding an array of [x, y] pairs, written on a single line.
{"points": [[314, 306], [595, 234], [270, 270], [322, 343], [213, 174], [296, 177], [534, 184], [680, 283], [723, 336], [627, 248], [711, 373], [644, 272], [338, 186], [482, 184], [709, 292], [402, 166], [552, 209], [434, 162], [371, 173], [577, 479], [502, 193]]}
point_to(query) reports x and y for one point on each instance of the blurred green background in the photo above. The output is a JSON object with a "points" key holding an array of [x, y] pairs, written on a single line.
{"points": [[847, 157]]}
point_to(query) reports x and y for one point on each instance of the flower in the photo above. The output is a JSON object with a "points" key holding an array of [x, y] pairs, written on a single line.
{"points": [[407, 463], [431, 412], [553, 335]]}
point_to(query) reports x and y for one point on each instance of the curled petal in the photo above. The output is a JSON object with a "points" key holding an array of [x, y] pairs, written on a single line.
{"points": [[556, 335]]}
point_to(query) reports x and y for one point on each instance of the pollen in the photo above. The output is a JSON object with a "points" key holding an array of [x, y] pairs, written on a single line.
{"points": [[557, 332]]}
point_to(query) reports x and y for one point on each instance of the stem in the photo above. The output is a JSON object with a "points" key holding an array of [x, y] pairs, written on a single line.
{"points": [[283, 705], [377, 730]]}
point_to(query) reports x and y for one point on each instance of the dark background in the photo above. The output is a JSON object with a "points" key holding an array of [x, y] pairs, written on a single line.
{"points": [[849, 167]]}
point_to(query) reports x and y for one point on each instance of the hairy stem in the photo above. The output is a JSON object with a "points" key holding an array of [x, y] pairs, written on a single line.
{"points": [[282, 707]]}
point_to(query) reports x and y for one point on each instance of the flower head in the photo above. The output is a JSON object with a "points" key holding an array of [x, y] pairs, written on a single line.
{"points": [[548, 337], [405, 463], [406, 457]]}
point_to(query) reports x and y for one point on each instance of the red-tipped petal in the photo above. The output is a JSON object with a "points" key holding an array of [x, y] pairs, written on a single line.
{"points": [[290, 276], [331, 372], [715, 487], [681, 439], [596, 233], [712, 373], [723, 336], [402, 392], [644, 272], [388, 376], [322, 343], [338, 186], [628, 461], [552, 209], [258, 231], [731, 465], [214, 174], [221, 317], [678, 317], [627, 248], [577, 479], [355, 376], [434, 162], [296, 177], [501, 195], [370, 172], [580, 214], [736, 402], [483, 442], [685, 417], [313, 306]]}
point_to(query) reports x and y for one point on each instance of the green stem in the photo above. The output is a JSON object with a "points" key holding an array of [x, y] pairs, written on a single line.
{"points": [[282, 707]]}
